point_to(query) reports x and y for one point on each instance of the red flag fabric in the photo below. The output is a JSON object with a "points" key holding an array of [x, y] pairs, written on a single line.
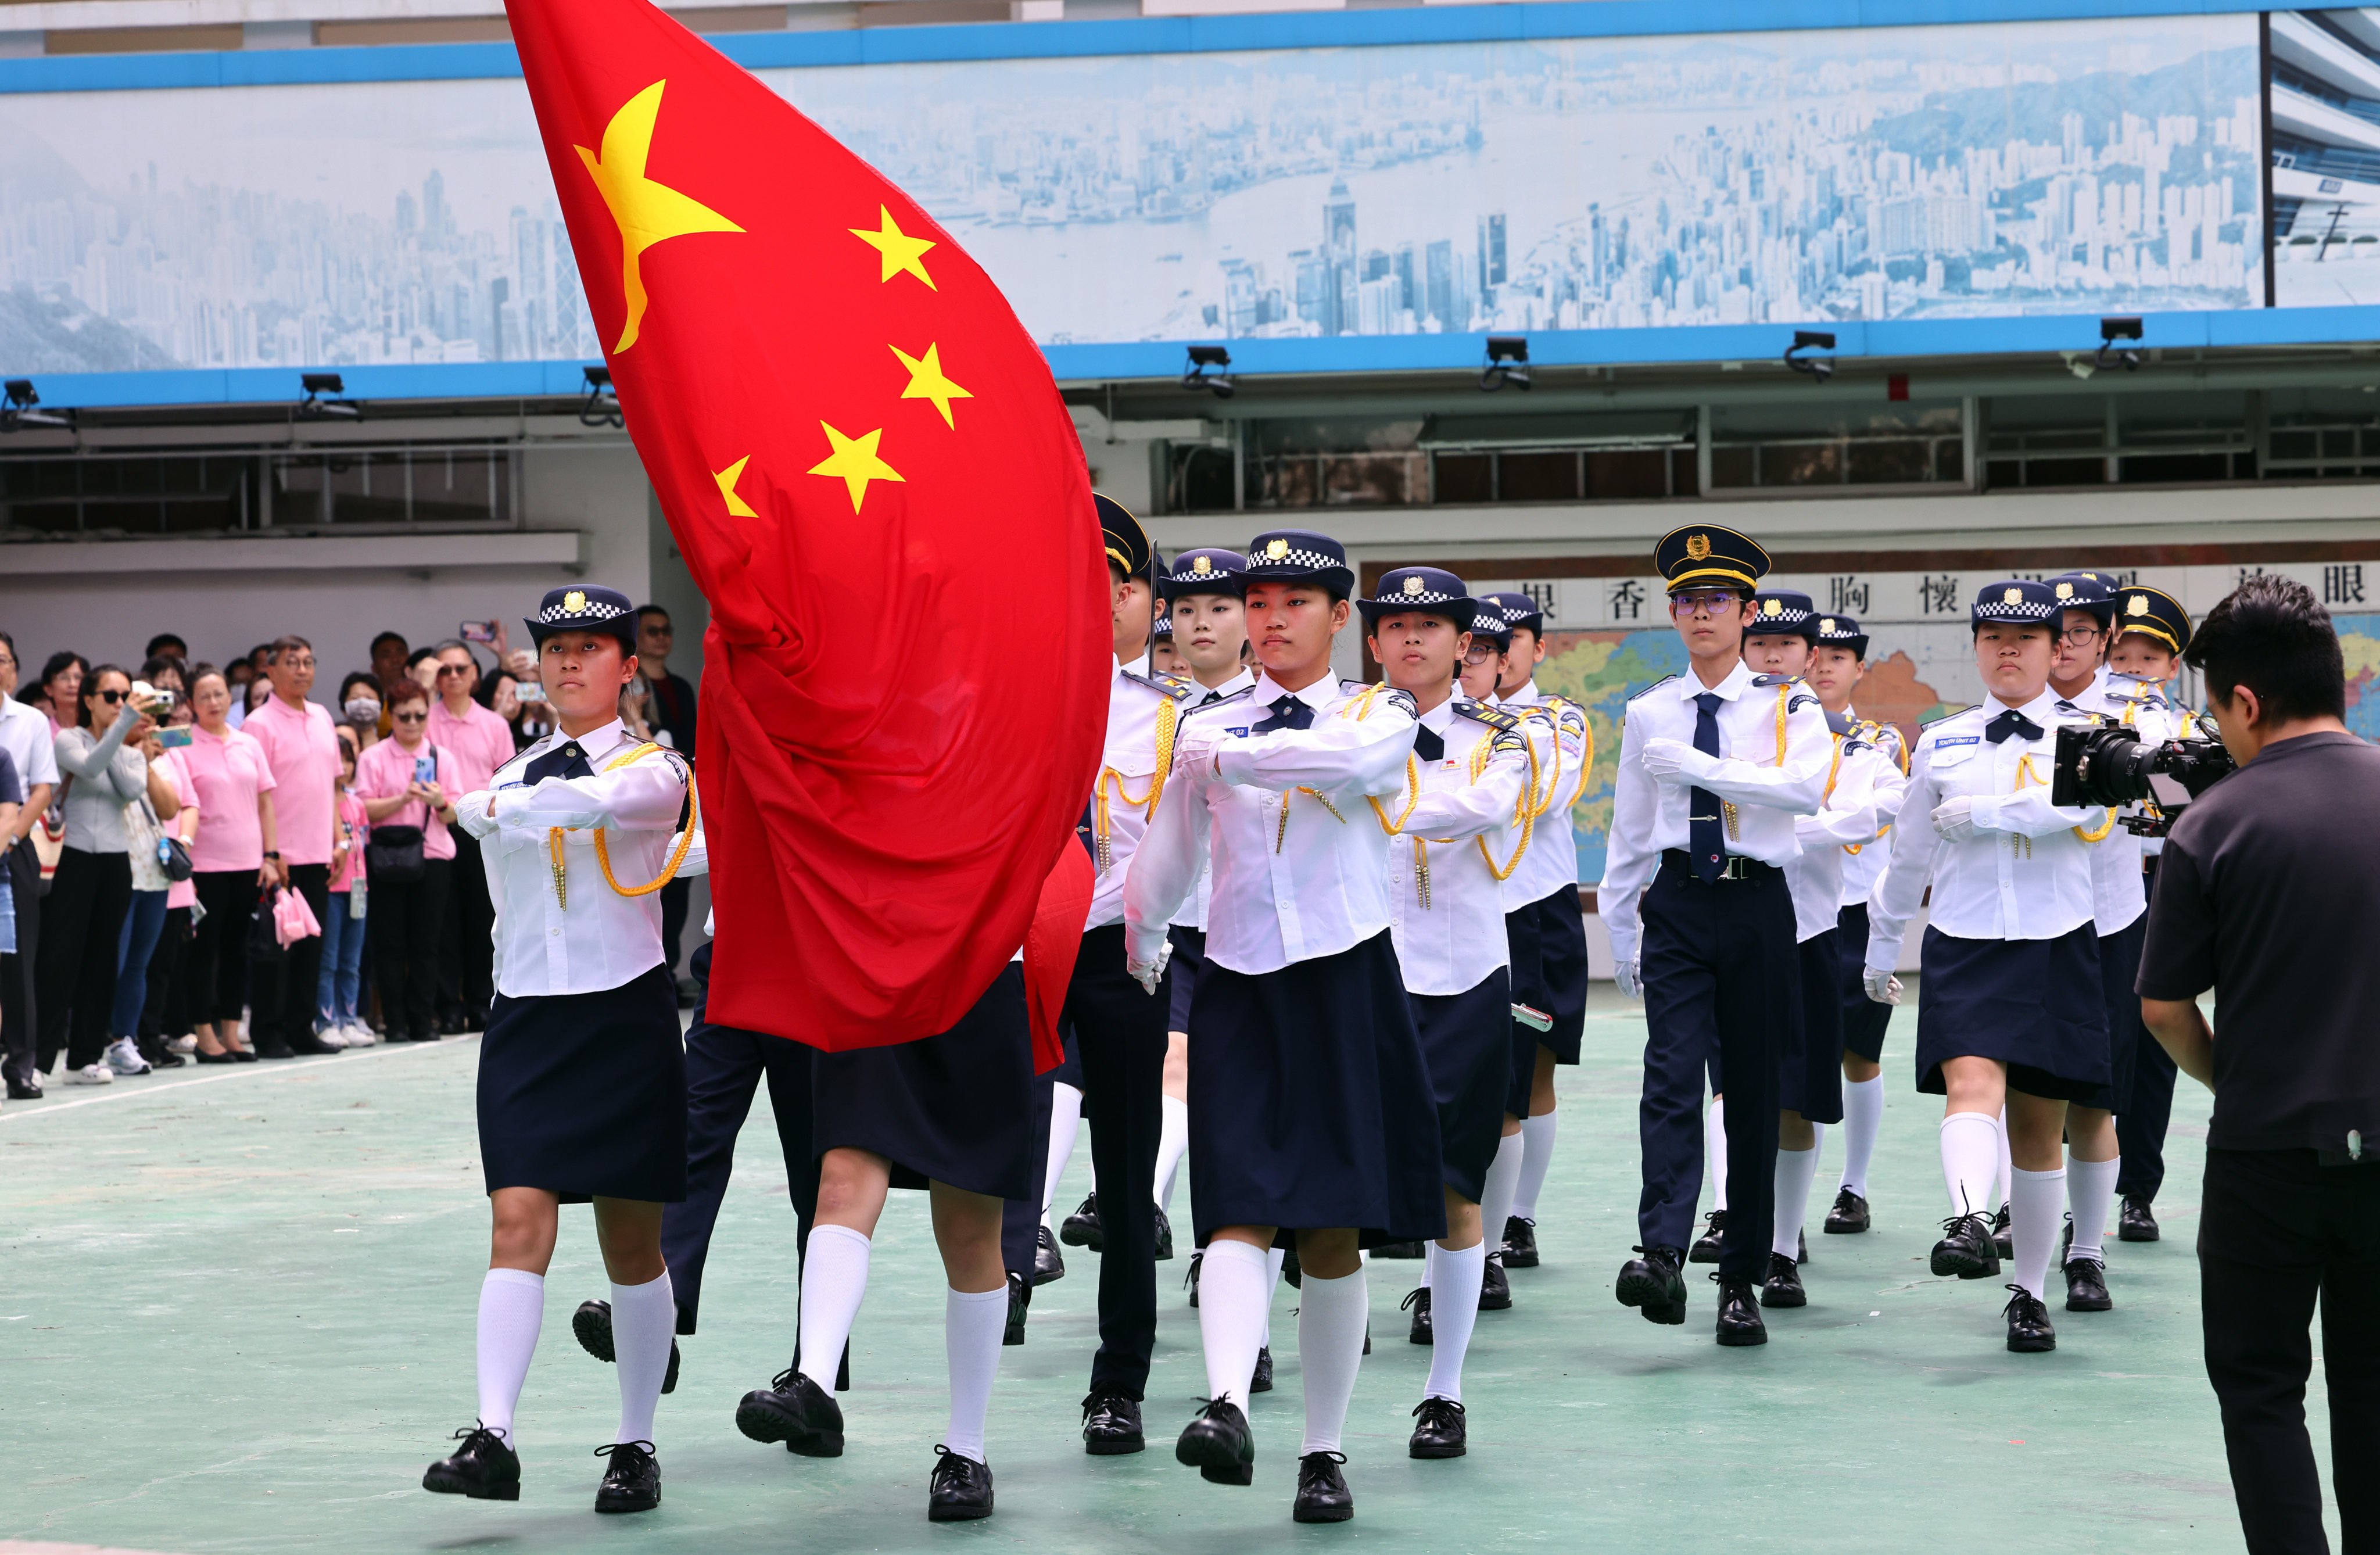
{"points": [[869, 472], [1051, 946]]}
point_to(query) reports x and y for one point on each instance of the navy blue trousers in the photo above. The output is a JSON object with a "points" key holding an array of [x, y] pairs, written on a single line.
{"points": [[1722, 977]]}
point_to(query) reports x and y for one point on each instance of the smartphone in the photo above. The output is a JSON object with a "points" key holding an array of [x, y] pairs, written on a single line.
{"points": [[528, 692], [173, 739], [479, 631], [425, 768]]}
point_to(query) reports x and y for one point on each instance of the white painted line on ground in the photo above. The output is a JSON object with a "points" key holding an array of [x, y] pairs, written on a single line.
{"points": [[135, 1093]]}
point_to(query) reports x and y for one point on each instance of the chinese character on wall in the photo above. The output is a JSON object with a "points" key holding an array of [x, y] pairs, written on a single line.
{"points": [[2343, 584], [1847, 593], [1937, 596], [1627, 600], [1542, 595]]}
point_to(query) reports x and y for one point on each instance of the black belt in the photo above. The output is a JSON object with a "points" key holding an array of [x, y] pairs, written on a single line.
{"points": [[1736, 868], [2370, 1156]]}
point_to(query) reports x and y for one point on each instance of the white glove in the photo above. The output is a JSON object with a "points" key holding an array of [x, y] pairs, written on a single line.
{"points": [[1881, 986], [1148, 974], [1194, 752], [1954, 820], [1629, 977], [1675, 761]]}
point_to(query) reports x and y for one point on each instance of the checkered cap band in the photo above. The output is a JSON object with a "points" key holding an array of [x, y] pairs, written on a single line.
{"points": [[592, 611], [1296, 558], [2018, 600]]}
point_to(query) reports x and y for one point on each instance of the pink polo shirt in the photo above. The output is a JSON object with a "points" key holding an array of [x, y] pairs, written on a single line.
{"points": [[382, 772], [227, 774], [303, 748], [478, 741]]}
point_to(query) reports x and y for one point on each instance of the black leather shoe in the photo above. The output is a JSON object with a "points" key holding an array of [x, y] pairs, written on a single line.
{"points": [[31, 1090], [1421, 1332], [1848, 1217], [2134, 1222], [2003, 1240], [483, 1468], [1653, 1286], [1801, 1246], [1441, 1433], [1706, 1247], [1217, 1443], [1495, 1286], [632, 1481], [1783, 1286], [2086, 1286], [1520, 1243], [1191, 1279], [1164, 1235], [1048, 1262], [2028, 1323], [306, 1044], [273, 1051], [1322, 1493], [1020, 1297], [1293, 1271], [1262, 1381], [202, 1056], [1966, 1249], [795, 1410], [1081, 1229], [1397, 1250], [592, 1324], [1740, 1321], [961, 1489], [1111, 1424]]}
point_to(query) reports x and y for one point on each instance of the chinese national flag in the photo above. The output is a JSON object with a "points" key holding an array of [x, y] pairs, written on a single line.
{"points": [[870, 474]]}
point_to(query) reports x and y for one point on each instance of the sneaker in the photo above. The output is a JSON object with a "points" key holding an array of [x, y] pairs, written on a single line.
{"points": [[333, 1037], [185, 1045], [90, 1074], [360, 1036], [123, 1057]]}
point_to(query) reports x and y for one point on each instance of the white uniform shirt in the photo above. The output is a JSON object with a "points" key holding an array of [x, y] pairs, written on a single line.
{"points": [[2026, 872], [1864, 864], [1767, 788], [1445, 905], [1127, 779], [587, 938], [25, 735], [1194, 915], [2119, 892], [1301, 867], [1847, 816], [1551, 862]]}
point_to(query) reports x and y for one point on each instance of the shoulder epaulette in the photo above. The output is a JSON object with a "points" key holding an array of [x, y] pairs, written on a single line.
{"points": [[1946, 717], [1797, 699], [1242, 695], [1843, 725], [1163, 684], [1769, 680], [1389, 693], [1480, 713], [1655, 687]]}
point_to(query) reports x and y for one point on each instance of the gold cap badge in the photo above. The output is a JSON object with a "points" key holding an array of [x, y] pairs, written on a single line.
{"points": [[574, 601], [1275, 550], [1201, 564], [2066, 591], [2139, 605], [1773, 607], [1699, 548], [1826, 628], [1412, 584], [2011, 596]]}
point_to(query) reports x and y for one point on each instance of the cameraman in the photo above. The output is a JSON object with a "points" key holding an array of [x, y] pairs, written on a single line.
{"points": [[2269, 893]]}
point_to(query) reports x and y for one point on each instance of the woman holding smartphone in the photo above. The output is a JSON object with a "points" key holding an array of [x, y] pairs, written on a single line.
{"points": [[406, 781]]}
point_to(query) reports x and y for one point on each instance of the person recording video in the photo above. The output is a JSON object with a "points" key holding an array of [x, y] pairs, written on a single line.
{"points": [[2268, 893]]}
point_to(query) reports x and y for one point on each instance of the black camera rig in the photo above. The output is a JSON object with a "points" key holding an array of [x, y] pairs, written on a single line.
{"points": [[2109, 764]]}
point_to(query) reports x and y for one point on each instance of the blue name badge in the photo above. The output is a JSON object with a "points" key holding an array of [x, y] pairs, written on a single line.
{"points": [[1958, 739], [1241, 733]]}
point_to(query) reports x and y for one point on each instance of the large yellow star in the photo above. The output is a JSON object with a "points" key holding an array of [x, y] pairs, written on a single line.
{"points": [[900, 251], [853, 462], [926, 382], [647, 213], [736, 506]]}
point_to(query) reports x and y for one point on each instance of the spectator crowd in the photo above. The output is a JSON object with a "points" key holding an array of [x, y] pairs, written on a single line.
{"points": [[212, 863]]}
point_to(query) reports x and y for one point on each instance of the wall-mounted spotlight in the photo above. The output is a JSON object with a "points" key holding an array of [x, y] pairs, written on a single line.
{"points": [[1196, 375], [1820, 368], [314, 406], [2113, 330], [1508, 362], [17, 412], [602, 407]]}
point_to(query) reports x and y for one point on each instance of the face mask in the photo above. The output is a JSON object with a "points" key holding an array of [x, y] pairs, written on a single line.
{"points": [[363, 709]]}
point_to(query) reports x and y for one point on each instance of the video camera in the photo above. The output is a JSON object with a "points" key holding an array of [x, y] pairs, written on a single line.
{"points": [[2110, 764]]}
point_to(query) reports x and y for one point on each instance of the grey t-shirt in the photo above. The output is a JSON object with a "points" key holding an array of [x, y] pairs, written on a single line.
{"points": [[106, 778]]}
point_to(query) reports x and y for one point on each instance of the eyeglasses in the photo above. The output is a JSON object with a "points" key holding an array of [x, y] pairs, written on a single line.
{"points": [[445, 669], [2078, 635], [1704, 602], [1480, 652], [410, 717], [111, 697]]}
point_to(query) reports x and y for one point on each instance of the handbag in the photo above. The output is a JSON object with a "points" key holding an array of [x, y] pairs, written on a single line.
{"points": [[174, 857], [264, 934], [393, 856]]}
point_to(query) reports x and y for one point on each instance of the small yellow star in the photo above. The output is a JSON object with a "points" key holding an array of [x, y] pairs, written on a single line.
{"points": [[647, 213], [926, 382], [736, 506], [900, 251], [853, 462]]}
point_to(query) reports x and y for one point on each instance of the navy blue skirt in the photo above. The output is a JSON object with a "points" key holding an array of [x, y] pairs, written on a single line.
{"points": [[2034, 1005], [584, 1094], [1863, 1019], [1548, 941], [1810, 1074], [957, 1106], [1188, 963], [2119, 969], [1466, 1040], [1311, 1106]]}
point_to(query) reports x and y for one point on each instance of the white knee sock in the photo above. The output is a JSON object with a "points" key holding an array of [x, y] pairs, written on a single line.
{"points": [[643, 1318], [2089, 1190], [972, 1324], [1066, 1117], [1863, 1116], [1275, 1261], [2006, 1165], [834, 1279], [512, 1306], [1234, 1296], [1537, 1159], [1971, 1151], [1330, 1317], [1796, 1170], [1172, 1138], [1503, 1181], [1714, 1141], [1429, 1251], [1453, 1310], [2035, 1200]]}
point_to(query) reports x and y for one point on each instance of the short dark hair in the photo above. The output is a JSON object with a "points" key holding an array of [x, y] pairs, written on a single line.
{"points": [[286, 644], [2272, 636], [199, 672], [645, 610], [155, 666], [405, 691], [417, 655], [164, 639], [364, 678], [396, 637]]}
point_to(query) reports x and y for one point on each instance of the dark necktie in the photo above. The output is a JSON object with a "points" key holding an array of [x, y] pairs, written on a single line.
{"points": [[565, 760], [2011, 722], [1428, 746], [1706, 833], [1288, 713]]}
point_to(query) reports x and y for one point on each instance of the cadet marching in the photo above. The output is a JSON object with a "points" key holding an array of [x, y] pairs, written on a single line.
{"points": [[1333, 955]]}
